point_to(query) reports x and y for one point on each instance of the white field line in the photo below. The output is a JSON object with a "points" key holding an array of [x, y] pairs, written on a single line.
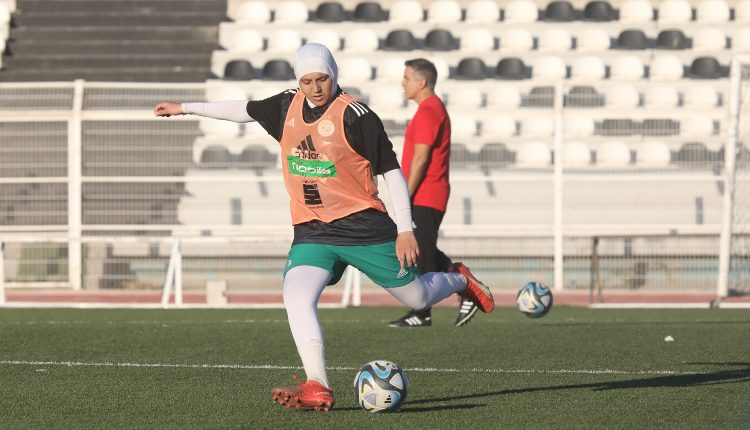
{"points": [[351, 369]]}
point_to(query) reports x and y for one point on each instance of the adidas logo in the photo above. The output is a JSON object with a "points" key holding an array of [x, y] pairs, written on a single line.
{"points": [[306, 150], [401, 273]]}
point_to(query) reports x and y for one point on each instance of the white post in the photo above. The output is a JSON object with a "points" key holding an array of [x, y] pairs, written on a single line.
{"points": [[169, 278], [178, 273], [2, 272], [357, 289], [348, 276], [558, 188], [74, 187], [730, 157]]}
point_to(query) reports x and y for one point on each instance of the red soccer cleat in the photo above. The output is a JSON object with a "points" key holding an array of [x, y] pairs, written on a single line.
{"points": [[310, 394], [475, 291]]}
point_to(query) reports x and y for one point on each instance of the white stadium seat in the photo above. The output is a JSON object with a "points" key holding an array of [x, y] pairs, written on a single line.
{"points": [[709, 39], [578, 126], [477, 40], [224, 92], [516, 40], [549, 67], [612, 154], [441, 66], [592, 40], [662, 96], [521, 12], [284, 40], [697, 126], [361, 40], [622, 96], [576, 154], [653, 154], [387, 97], [533, 154], [712, 11], [482, 12], [636, 12], [354, 69], [589, 67], [666, 67], [463, 126], [626, 67], [218, 127], [741, 40], [444, 12], [675, 12], [742, 11], [247, 40], [390, 69], [555, 39], [465, 97], [406, 12], [542, 126], [291, 12], [252, 12], [499, 126], [503, 96], [327, 37], [700, 96]]}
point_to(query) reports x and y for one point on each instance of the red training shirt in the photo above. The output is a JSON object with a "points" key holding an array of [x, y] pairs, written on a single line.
{"points": [[431, 125]]}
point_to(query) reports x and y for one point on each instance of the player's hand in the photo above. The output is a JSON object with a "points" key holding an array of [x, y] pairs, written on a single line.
{"points": [[407, 249], [168, 109]]}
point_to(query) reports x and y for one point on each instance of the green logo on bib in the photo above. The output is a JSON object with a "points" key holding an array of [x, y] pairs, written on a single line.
{"points": [[321, 169]]}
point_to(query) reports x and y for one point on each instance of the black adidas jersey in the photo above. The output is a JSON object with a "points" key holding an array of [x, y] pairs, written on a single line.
{"points": [[365, 132]]}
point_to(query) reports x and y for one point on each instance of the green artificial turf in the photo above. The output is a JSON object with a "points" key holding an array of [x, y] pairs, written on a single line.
{"points": [[575, 368]]}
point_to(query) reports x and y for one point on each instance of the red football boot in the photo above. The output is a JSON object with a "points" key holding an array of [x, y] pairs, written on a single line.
{"points": [[475, 291], [310, 394]]}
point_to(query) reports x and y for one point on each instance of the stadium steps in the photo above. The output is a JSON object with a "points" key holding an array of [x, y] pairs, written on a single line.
{"points": [[113, 40]]}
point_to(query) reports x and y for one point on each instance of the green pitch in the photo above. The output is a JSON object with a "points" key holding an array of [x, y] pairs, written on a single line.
{"points": [[575, 368]]}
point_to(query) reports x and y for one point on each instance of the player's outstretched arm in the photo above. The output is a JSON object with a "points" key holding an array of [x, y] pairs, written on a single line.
{"points": [[168, 109]]}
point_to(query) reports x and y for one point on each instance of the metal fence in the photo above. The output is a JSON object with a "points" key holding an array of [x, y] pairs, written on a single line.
{"points": [[614, 186]]}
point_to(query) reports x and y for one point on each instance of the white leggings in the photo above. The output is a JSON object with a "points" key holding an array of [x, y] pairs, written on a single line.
{"points": [[303, 286]]}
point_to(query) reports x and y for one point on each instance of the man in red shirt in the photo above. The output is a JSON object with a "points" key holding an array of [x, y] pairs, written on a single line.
{"points": [[425, 163]]}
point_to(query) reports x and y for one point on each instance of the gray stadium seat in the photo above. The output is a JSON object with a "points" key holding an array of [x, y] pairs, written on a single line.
{"points": [[494, 155], [705, 68], [472, 68], [542, 97], [400, 40], [671, 39], [216, 156], [660, 127], [560, 11], [584, 96], [278, 70], [238, 70], [330, 12], [439, 40], [511, 68], [632, 39], [257, 156], [599, 11], [693, 154], [369, 12]]}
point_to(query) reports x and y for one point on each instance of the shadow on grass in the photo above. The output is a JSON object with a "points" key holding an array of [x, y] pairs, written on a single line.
{"points": [[408, 409], [737, 375]]}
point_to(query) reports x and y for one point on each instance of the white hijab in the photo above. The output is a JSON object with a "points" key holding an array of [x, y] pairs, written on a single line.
{"points": [[315, 57]]}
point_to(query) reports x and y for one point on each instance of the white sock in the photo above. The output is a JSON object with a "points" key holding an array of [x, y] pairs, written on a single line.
{"points": [[302, 288], [314, 361]]}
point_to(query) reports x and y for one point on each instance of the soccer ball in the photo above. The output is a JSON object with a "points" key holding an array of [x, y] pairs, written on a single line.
{"points": [[380, 386], [534, 300]]}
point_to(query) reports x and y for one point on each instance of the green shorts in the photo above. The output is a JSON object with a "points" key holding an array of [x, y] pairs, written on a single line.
{"points": [[378, 262]]}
